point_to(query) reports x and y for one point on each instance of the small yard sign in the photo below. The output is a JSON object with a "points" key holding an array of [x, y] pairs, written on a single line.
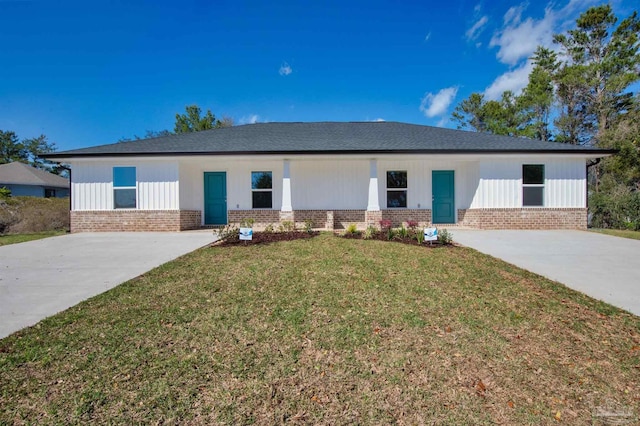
{"points": [[430, 234], [246, 234]]}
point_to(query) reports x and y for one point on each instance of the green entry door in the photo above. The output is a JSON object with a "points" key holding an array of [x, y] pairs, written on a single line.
{"points": [[215, 198], [443, 190]]}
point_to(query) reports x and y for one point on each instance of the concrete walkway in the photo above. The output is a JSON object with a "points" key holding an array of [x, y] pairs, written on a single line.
{"points": [[601, 266], [41, 278]]}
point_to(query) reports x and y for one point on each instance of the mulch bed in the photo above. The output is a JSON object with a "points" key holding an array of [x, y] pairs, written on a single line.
{"points": [[382, 236], [268, 237], [274, 237]]}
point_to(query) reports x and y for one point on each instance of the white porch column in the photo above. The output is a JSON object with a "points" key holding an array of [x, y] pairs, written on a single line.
{"points": [[286, 187], [373, 203]]}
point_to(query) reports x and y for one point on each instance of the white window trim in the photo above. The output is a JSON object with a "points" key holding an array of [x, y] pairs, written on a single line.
{"points": [[261, 189], [113, 184], [387, 189], [535, 185]]}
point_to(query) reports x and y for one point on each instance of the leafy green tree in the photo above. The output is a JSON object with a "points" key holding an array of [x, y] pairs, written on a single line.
{"points": [[193, 121], [11, 149], [469, 114], [27, 151], [603, 64], [536, 100]]}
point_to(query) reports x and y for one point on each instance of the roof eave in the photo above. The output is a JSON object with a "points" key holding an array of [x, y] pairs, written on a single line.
{"points": [[596, 153]]}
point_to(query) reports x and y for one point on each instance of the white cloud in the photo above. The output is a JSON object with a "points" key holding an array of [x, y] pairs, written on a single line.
{"points": [[379, 120], [249, 119], [434, 105], [473, 32], [514, 80], [427, 37], [285, 69], [519, 38]]}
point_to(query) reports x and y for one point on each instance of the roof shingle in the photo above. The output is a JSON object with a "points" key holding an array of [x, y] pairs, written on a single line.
{"points": [[325, 138]]}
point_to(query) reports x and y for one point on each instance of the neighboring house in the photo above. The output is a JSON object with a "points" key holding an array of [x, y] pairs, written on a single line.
{"points": [[24, 180], [331, 173]]}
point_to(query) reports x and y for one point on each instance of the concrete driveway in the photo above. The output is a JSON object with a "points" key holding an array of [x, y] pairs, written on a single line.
{"points": [[601, 266], [41, 278]]}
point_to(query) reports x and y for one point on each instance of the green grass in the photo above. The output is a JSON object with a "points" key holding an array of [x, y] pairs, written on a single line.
{"points": [[21, 238], [326, 331], [634, 235]]}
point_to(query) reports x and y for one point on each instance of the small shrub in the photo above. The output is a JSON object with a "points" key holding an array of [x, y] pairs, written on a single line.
{"points": [[369, 233], [403, 232], [4, 193], [227, 233], [20, 215], [287, 226], [445, 237], [352, 229], [308, 226], [391, 233], [420, 237], [385, 224], [412, 224], [268, 229], [247, 223]]}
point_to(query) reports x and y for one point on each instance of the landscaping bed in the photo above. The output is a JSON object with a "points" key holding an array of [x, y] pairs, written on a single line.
{"points": [[267, 237]]}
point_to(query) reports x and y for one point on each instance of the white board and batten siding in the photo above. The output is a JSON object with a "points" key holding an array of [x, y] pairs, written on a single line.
{"points": [[499, 183], [157, 185]]}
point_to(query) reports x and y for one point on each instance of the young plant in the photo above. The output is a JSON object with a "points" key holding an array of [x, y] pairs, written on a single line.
{"points": [[352, 229], [369, 233], [385, 224], [287, 226], [419, 237], [403, 232], [227, 233], [247, 223], [269, 229], [445, 237], [412, 224], [308, 226], [391, 233]]}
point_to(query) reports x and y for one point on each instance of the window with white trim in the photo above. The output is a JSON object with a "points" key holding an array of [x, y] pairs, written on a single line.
{"points": [[532, 185], [261, 190], [124, 188], [397, 189]]}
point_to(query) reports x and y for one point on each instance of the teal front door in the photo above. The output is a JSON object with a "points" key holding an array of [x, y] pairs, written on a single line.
{"points": [[443, 190], [215, 198]]}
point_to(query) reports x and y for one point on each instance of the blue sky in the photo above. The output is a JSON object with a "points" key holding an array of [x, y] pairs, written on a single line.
{"points": [[88, 73]]}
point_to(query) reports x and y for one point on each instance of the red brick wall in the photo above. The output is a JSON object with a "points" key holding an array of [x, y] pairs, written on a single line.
{"points": [[399, 216], [261, 216], [526, 218], [134, 220]]}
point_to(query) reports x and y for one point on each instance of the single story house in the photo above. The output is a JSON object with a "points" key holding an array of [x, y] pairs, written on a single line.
{"points": [[24, 180], [332, 173]]}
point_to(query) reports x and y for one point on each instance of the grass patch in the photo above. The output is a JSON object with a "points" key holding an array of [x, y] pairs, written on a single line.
{"points": [[634, 235], [21, 238], [27, 215], [327, 330]]}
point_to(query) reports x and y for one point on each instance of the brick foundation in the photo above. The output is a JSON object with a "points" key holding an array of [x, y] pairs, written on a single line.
{"points": [[527, 218], [400, 216], [135, 220], [261, 216]]}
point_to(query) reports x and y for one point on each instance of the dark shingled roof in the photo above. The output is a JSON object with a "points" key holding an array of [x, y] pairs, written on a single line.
{"points": [[17, 173], [327, 138]]}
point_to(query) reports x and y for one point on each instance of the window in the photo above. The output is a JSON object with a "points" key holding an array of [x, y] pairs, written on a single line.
{"points": [[396, 189], [262, 190], [124, 187], [533, 184]]}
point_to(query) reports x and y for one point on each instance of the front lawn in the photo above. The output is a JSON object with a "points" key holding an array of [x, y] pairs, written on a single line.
{"points": [[330, 331], [634, 235], [21, 238]]}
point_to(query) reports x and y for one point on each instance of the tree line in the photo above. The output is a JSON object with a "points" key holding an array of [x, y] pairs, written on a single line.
{"points": [[579, 93]]}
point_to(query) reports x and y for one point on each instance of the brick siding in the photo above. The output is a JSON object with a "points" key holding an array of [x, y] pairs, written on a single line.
{"points": [[527, 218], [134, 220]]}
